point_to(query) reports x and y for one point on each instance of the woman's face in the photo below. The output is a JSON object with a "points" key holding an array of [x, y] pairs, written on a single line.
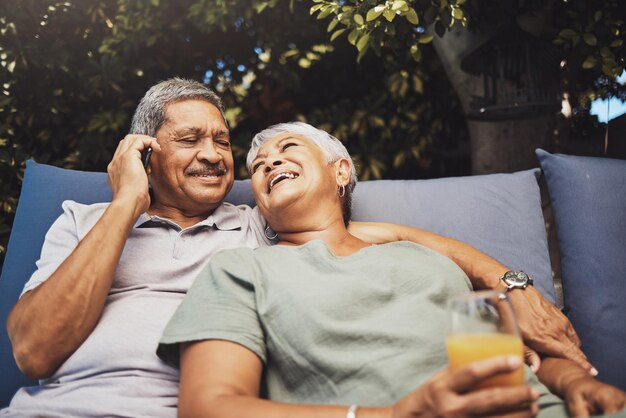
{"points": [[291, 172]]}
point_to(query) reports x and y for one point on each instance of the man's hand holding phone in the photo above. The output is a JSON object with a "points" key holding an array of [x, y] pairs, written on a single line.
{"points": [[128, 171], [145, 157]]}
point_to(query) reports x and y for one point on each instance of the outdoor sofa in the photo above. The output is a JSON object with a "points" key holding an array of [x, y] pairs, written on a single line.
{"points": [[501, 214]]}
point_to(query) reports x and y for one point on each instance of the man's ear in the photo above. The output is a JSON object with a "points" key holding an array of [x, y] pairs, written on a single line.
{"points": [[342, 169]]}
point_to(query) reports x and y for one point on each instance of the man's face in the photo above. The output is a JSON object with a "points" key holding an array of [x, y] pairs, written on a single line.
{"points": [[194, 170]]}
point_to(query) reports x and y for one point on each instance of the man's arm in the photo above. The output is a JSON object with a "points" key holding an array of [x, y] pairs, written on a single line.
{"points": [[543, 326], [51, 321], [583, 394]]}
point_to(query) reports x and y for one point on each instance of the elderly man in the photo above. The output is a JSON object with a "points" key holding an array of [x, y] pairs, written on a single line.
{"points": [[111, 275]]}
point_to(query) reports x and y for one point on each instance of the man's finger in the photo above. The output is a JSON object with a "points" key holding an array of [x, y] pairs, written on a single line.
{"points": [[465, 378], [577, 407], [607, 404], [574, 353], [572, 334]]}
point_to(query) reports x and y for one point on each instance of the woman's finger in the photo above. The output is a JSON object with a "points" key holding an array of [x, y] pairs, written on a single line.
{"points": [[501, 400], [532, 359], [465, 378]]}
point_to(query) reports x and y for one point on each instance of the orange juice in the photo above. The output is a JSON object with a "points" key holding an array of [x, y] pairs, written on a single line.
{"points": [[467, 348]]}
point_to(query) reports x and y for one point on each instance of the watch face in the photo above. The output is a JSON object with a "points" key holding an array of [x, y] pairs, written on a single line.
{"points": [[516, 278]]}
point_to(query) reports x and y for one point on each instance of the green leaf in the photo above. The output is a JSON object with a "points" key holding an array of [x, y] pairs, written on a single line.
{"points": [[389, 15], [597, 15], [617, 43], [332, 24], [411, 16], [362, 42], [260, 7], [374, 13], [425, 39], [352, 36], [457, 13], [416, 54], [568, 33], [399, 160], [336, 34], [358, 19], [313, 8], [325, 12], [590, 62], [398, 5], [609, 71], [590, 39], [418, 84]]}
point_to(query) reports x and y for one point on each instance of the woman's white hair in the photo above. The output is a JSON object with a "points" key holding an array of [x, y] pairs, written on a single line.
{"points": [[332, 148]]}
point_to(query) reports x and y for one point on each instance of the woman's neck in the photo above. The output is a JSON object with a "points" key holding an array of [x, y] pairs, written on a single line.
{"points": [[339, 241]]}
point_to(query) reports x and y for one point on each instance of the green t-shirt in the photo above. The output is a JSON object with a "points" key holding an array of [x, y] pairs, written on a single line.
{"points": [[362, 329]]}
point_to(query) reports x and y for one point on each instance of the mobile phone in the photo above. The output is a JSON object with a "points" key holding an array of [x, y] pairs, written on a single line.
{"points": [[145, 157]]}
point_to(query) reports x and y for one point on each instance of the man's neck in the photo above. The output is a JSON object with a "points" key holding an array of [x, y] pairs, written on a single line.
{"points": [[183, 218]]}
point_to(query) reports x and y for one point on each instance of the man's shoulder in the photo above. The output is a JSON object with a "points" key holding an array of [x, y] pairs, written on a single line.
{"points": [[250, 219], [82, 208], [242, 209]]}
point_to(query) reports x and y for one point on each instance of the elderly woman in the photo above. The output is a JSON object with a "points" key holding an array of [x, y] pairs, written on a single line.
{"points": [[324, 320]]}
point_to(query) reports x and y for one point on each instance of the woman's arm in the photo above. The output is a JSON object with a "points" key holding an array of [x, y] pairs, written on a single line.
{"points": [[544, 327], [583, 394], [222, 379]]}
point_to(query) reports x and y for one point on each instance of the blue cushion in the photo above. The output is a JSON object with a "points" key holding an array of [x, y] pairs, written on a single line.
{"points": [[588, 197], [44, 189], [500, 214]]}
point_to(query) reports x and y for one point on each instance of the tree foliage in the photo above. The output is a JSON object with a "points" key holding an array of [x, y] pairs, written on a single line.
{"points": [[589, 34], [71, 74]]}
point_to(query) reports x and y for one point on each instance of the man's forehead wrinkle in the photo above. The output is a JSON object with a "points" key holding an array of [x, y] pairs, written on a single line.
{"points": [[187, 129], [198, 130]]}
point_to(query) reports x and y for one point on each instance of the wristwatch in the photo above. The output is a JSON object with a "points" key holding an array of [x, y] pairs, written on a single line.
{"points": [[516, 280]]}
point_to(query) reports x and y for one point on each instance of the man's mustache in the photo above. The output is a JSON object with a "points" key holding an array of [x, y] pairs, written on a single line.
{"points": [[208, 168]]}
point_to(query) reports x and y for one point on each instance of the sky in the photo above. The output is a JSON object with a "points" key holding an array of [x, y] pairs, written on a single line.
{"points": [[615, 106]]}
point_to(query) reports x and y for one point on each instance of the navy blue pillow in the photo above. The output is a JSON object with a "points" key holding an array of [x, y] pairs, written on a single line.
{"points": [[588, 197], [44, 189]]}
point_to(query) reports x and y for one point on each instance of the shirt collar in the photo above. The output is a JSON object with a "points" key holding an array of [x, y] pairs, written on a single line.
{"points": [[225, 217]]}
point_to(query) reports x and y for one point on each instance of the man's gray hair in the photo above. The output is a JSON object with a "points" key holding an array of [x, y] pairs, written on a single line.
{"points": [[150, 113], [332, 148]]}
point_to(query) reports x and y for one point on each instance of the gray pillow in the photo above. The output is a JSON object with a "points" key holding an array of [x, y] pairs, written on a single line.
{"points": [[500, 214]]}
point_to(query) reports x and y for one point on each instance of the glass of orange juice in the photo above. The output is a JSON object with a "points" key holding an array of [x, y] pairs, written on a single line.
{"points": [[482, 326]]}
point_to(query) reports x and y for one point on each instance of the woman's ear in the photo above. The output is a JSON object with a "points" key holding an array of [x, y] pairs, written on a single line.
{"points": [[342, 169]]}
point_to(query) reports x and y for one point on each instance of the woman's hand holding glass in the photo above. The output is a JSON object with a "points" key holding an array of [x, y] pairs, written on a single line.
{"points": [[485, 375], [482, 326], [454, 393]]}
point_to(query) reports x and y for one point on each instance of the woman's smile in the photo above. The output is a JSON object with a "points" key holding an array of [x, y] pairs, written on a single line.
{"points": [[278, 177]]}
